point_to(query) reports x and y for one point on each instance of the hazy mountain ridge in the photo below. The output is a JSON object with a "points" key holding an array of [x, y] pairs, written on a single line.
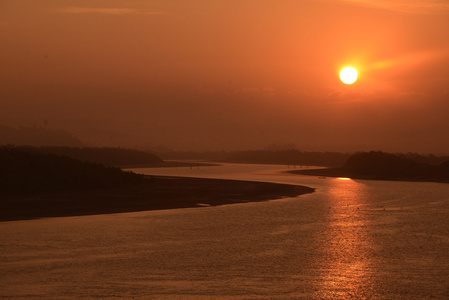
{"points": [[37, 136]]}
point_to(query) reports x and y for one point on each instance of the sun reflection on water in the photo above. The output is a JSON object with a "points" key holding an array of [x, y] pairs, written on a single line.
{"points": [[346, 267]]}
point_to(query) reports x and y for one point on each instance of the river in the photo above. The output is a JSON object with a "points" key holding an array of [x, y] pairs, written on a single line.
{"points": [[351, 239]]}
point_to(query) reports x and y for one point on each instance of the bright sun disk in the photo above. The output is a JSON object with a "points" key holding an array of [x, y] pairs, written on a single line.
{"points": [[348, 75]]}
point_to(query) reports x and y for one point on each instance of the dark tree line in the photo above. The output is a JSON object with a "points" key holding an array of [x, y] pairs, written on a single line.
{"points": [[28, 172], [387, 166], [383, 165], [289, 157], [106, 155]]}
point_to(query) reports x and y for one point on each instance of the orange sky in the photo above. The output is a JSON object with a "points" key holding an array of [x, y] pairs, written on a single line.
{"points": [[213, 75]]}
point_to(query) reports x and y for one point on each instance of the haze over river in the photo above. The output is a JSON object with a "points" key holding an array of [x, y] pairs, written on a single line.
{"points": [[351, 239]]}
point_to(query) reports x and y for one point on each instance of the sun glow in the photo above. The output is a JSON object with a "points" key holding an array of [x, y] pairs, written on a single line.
{"points": [[348, 75]]}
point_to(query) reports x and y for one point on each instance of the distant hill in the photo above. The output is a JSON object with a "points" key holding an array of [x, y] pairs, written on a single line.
{"points": [[37, 136], [28, 172], [289, 157], [378, 165]]}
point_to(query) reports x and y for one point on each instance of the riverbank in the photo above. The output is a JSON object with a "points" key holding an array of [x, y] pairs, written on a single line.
{"points": [[342, 172], [155, 193], [169, 164], [377, 165]]}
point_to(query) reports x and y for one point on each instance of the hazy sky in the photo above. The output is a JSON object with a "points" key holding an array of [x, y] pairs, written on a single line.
{"points": [[237, 74]]}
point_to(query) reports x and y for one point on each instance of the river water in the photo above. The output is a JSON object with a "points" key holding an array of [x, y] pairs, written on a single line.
{"points": [[351, 239]]}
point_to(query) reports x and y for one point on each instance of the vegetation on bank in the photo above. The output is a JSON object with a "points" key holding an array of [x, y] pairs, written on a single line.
{"points": [[107, 155], [289, 157], [387, 166], [29, 172]]}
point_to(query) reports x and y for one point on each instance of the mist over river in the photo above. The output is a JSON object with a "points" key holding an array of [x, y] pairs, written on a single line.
{"points": [[351, 239]]}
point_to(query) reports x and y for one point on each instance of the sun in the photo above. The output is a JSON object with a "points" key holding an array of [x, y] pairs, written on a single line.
{"points": [[348, 75]]}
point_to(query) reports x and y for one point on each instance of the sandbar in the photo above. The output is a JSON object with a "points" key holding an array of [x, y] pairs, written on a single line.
{"points": [[157, 192]]}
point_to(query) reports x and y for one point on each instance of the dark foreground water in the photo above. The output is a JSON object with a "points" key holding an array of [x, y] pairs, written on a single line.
{"points": [[349, 240]]}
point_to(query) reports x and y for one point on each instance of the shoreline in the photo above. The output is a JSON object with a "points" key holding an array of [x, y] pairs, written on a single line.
{"points": [[169, 164], [157, 193], [340, 172]]}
